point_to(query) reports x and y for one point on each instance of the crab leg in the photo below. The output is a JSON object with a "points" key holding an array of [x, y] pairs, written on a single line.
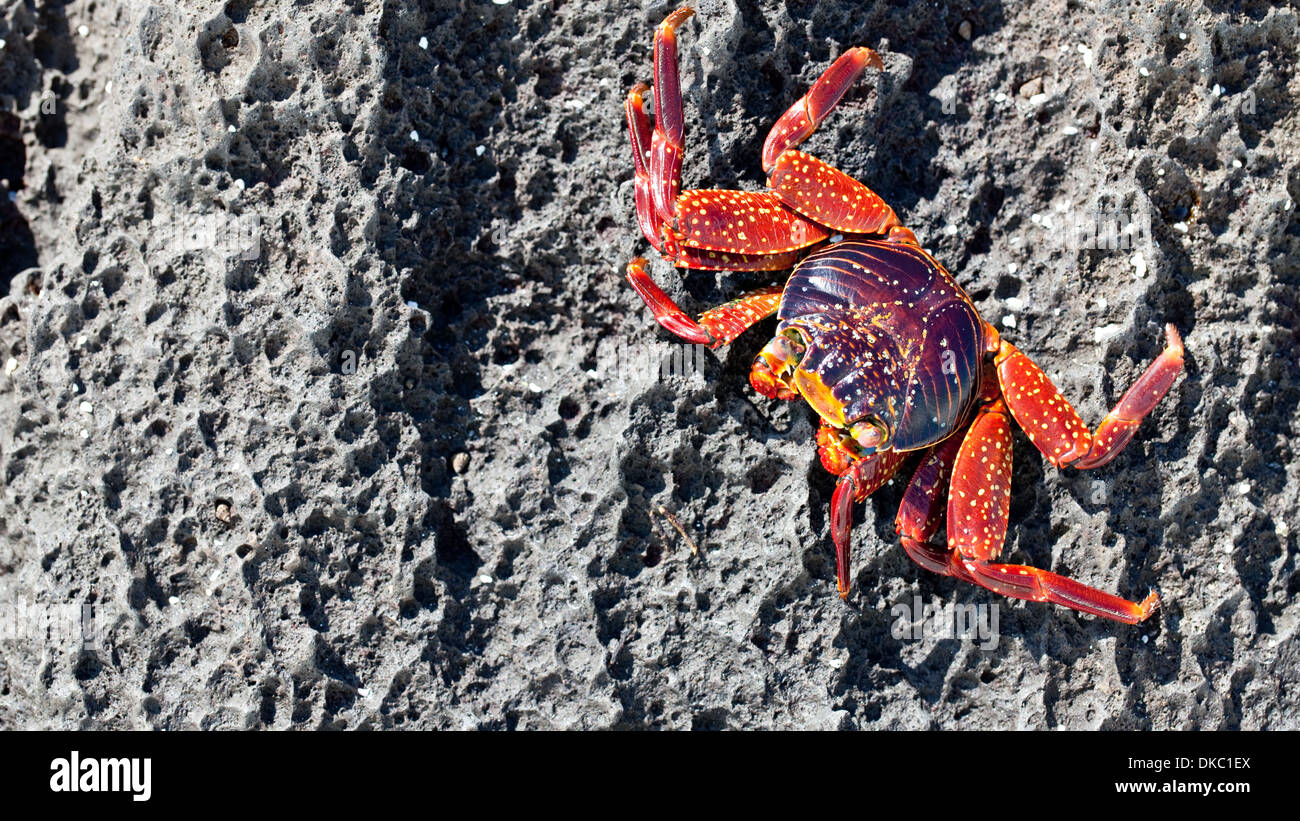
{"points": [[801, 120], [924, 507], [1054, 426], [856, 483], [978, 504], [715, 327], [638, 126], [670, 123]]}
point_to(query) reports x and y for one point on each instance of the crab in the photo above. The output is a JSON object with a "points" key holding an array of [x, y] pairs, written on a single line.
{"points": [[877, 337]]}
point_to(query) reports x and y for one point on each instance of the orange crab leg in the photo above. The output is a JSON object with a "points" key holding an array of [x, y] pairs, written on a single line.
{"points": [[801, 120], [856, 483], [978, 503], [670, 123], [1054, 426], [715, 327]]}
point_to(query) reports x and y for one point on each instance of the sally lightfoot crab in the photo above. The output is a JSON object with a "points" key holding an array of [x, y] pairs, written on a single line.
{"points": [[876, 336]]}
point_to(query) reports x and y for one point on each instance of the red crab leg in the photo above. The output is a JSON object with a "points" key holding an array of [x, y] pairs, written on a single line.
{"points": [[858, 482], [670, 124], [978, 503], [1054, 426], [802, 118], [831, 197], [638, 126], [924, 507], [740, 222], [715, 327]]}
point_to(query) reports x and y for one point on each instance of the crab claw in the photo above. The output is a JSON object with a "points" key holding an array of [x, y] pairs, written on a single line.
{"points": [[841, 527]]}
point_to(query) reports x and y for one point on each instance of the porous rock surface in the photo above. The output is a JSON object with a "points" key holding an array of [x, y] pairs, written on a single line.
{"points": [[399, 461]]}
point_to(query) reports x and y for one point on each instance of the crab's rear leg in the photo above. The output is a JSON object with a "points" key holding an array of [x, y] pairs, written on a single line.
{"points": [[1054, 426], [715, 327], [979, 500]]}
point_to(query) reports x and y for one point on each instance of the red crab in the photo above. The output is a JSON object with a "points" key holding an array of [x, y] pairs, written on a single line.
{"points": [[877, 336]]}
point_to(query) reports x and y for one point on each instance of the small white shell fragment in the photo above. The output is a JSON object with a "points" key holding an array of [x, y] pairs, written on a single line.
{"points": [[1069, 131], [999, 97], [1236, 163], [108, 87], [1009, 320], [1180, 227], [1139, 264], [1146, 639], [1182, 35], [1036, 219], [950, 230], [11, 365], [424, 42], [1014, 303], [1038, 99], [1218, 90], [413, 305], [173, 601], [85, 434], [836, 663], [501, 2], [1106, 333], [231, 129], [1012, 267], [1087, 54], [1243, 489], [484, 579], [86, 407], [2, 43], [364, 692], [1160, 172], [478, 150], [1143, 71], [415, 136], [83, 30]]}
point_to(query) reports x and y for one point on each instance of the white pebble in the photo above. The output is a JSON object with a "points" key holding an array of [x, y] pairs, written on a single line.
{"points": [[1087, 55], [1218, 90], [1012, 267], [83, 30], [11, 365], [484, 579], [85, 434], [950, 230], [501, 2], [1143, 71], [999, 97], [413, 305], [1180, 227], [1146, 639], [1243, 489], [1139, 264], [478, 150], [1036, 219], [1182, 35], [1047, 222], [2, 43], [1160, 172], [1236, 163], [1038, 99], [1014, 303], [173, 601], [231, 129], [424, 42], [836, 664], [415, 136], [1105, 333], [1069, 131], [108, 87], [363, 692], [1009, 320], [86, 407]]}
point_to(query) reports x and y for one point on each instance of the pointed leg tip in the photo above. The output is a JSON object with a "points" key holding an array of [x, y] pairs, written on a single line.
{"points": [[1149, 606], [1173, 339], [672, 21]]}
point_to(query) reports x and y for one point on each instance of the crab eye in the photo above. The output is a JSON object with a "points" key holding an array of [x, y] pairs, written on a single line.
{"points": [[869, 434]]}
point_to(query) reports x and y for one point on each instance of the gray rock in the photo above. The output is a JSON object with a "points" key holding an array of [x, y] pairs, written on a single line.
{"points": [[299, 266]]}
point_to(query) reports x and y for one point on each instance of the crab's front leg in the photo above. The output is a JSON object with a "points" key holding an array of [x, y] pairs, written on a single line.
{"points": [[860, 476]]}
